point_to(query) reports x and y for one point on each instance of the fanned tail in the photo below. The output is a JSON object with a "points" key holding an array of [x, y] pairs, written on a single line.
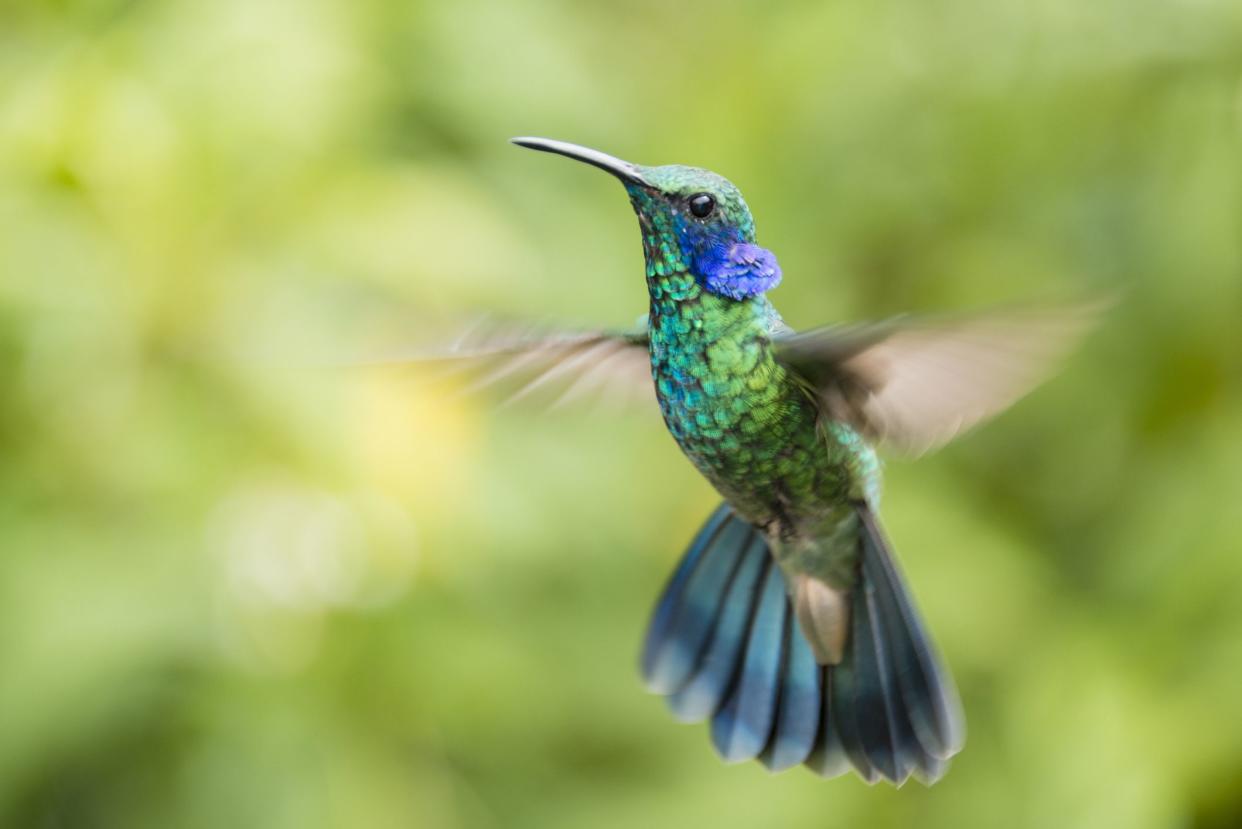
{"points": [[724, 643]]}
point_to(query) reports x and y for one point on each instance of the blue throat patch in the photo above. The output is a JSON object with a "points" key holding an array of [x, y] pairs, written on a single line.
{"points": [[741, 271], [725, 264]]}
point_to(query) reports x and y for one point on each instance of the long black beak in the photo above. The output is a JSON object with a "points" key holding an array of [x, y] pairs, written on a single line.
{"points": [[623, 170]]}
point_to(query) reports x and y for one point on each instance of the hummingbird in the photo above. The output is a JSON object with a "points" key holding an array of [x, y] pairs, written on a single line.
{"points": [[788, 622]]}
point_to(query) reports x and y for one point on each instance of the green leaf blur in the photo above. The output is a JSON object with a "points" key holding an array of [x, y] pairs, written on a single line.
{"points": [[241, 585]]}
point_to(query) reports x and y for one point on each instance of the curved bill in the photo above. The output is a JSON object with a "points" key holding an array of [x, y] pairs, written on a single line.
{"points": [[623, 170]]}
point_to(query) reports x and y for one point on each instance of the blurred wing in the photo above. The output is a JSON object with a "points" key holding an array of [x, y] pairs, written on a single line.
{"points": [[915, 385], [555, 367]]}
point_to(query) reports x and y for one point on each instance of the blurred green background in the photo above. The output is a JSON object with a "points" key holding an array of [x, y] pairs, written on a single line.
{"points": [[241, 589]]}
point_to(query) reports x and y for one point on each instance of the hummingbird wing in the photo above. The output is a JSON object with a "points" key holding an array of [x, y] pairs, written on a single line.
{"points": [[916, 384], [555, 366]]}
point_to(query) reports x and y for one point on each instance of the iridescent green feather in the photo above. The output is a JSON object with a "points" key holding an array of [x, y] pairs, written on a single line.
{"points": [[743, 418]]}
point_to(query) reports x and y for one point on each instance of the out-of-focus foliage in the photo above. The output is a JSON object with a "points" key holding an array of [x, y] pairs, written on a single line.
{"points": [[238, 588]]}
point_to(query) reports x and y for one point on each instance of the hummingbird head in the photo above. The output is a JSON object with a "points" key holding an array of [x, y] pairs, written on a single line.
{"points": [[692, 220]]}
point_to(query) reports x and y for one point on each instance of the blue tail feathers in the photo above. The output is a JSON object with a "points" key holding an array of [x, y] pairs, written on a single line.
{"points": [[724, 643]]}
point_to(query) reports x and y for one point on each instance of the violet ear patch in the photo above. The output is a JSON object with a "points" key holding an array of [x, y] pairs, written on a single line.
{"points": [[743, 270]]}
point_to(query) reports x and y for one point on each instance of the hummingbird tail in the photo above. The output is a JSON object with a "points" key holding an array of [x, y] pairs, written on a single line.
{"points": [[724, 643], [891, 707]]}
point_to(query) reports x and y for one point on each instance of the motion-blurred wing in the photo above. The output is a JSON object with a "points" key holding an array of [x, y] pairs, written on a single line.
{"points": [[917, 384], [555, 367]]}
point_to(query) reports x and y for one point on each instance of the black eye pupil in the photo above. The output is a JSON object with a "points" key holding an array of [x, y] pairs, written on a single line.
{"points": [[702, 205]]}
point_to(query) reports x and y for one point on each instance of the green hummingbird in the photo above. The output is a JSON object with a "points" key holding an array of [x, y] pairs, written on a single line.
{"points": [[788, 622]]}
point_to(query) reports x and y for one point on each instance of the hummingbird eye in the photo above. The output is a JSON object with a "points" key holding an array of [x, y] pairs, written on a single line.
{"points": [[702, 205]]}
